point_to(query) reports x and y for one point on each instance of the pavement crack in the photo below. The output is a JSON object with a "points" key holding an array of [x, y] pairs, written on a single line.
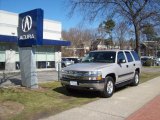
{"points": [[103, 112]]}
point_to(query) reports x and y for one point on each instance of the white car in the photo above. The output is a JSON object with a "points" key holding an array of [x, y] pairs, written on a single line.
{"points": [[103, 71], [158, 61], [65, 62]]}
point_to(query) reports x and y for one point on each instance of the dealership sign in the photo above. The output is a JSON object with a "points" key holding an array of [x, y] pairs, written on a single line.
{"points": [[30, 28]]}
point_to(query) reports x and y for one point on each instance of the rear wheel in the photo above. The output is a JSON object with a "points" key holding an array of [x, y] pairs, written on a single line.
{"points": [[108, 87], [136, 79]]}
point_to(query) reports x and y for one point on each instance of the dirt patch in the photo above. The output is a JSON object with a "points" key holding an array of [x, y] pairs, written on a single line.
{"points": [[9, 109]]}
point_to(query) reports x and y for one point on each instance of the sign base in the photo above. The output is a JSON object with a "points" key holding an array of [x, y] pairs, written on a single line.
{"points": [[28, 67]]}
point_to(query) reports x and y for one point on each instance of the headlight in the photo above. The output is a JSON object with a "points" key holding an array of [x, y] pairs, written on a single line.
{"points": [[95, 75], [63, 73]]}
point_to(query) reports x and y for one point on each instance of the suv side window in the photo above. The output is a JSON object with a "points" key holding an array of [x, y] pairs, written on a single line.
{"points": [[135, 55], [121, 56], [129, 57]]}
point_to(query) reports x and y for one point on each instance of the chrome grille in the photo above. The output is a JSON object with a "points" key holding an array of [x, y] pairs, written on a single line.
{"points": [[75, 75]]}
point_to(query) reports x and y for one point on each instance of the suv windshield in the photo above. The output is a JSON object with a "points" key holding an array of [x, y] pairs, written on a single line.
{"points": [[101, 57]]}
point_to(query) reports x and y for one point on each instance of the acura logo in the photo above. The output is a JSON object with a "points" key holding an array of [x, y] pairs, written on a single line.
{"points": [[26, 23]]}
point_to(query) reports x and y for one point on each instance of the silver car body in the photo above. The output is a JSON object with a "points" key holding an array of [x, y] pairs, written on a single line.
{"points": [[75, 75]]}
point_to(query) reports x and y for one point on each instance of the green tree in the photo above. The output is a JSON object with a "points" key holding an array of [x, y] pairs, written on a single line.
{"points": [[107, 26]]}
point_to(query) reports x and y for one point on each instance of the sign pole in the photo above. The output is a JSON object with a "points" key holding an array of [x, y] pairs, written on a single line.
{"points": [[28, 67], [30, 33]]}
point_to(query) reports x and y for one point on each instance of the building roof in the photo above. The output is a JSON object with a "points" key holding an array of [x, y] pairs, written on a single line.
{"points": [[13, 39]]}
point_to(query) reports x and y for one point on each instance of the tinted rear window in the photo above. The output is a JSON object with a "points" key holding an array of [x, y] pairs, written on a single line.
{"points": [[129, 57], [135, 55]]}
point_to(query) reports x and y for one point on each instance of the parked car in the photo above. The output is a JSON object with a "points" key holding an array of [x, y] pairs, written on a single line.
{"points": [[147, 60], [65, 62], [75, 59], [103, 71], [158, 61]]}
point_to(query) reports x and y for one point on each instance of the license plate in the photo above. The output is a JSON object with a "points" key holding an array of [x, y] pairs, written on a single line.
{"points": [[74, 83]]}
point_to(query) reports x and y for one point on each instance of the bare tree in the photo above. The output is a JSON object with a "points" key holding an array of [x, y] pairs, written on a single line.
{"points": [[136, 12], [80, 38], [149, 32], [120, 33]]}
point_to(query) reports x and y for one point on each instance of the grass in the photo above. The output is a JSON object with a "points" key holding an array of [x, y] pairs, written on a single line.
{"points": [[151, 66], [145, 76], [50, 98]]}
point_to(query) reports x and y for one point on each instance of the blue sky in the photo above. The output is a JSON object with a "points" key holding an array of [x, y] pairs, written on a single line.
{"points": [[53, 9]]}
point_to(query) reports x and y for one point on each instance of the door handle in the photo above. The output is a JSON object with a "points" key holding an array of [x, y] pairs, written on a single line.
{"points": [[134, 64], [127, 66]]}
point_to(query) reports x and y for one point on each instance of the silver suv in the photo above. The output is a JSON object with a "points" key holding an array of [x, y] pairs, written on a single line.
{"points": [[103, 71]]}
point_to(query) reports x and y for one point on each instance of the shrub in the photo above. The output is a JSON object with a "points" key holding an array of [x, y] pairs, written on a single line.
{"points": [[149, 62]]}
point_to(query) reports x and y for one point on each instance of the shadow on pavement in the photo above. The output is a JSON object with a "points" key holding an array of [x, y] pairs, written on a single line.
{"points": [[13, 81], [118, 89], [2, 80], [16, 81], [9, 79]]}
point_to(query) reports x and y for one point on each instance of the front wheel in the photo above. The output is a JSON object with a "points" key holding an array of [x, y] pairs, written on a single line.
{"points": [[136, 79], [108, 87]]}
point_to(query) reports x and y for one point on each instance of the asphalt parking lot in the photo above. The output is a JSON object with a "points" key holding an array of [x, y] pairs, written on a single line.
{"points": [[43, 76]]}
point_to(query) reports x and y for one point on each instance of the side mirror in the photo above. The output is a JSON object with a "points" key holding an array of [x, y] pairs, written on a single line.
{"points": [[121, 61]]}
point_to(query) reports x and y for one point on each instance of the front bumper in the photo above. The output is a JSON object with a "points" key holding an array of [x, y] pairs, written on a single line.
{"points": [[97, 85]]}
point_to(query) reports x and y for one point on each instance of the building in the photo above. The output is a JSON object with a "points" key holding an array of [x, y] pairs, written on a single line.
{"points": [[150, 48], [47, 56]]}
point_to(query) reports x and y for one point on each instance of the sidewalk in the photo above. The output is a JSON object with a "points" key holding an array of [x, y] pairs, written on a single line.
{"points": [[130, 103], [150, 111]]}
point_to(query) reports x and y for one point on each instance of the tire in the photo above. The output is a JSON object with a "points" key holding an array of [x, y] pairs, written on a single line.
{"points": [[109, 87], [136, 79]]}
